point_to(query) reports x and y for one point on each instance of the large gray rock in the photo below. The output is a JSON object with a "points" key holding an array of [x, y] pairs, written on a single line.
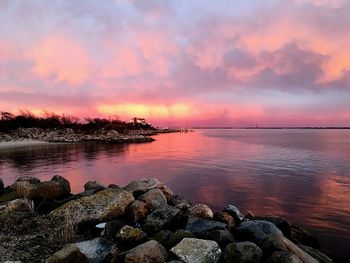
{"points": [[316, 254], [153, 199], [222, 237], [43, 190], [234, 211], [179, 201], [93, 251], [141, 186], [192, 250], [164, 216], [257, 231], [137, 211], [64, 183], [197, 225], [149, 252], [1, 186], [201, 210], [129, 235], [29, 179], [242, 252], [93, 185], [102, 206], [280, 223], [283, 257]]}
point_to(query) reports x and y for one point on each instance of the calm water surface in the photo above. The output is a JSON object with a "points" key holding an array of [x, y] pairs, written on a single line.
{"points": [[301, 175]]}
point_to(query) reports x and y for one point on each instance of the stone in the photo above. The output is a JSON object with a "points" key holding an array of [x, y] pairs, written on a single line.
{"points": [[316, 254], [29, 179], [1, 186], [100, 207], [93, 251], [257, 231], [112, 228], [179, 201], [165, 237], [141, 186], [179, 235], [201, 211], [235, 213], [64, 183], [283, 257], [93, 185], [149, 252], [192, 250], [153, 199], [19, 205], [225, 218], [6, 197], [300, 236], [222, 237], [242, 252], [137, 211], [196, 225], [280, 223], [272, 244], [43, 190], [164, 217], [68, 254], [129, 235]]}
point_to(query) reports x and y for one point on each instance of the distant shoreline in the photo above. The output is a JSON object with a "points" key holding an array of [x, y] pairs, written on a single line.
{"points": [[271, 128]]}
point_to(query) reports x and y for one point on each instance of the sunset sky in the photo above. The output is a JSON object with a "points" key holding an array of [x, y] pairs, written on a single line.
{"points": [[179, 62]]}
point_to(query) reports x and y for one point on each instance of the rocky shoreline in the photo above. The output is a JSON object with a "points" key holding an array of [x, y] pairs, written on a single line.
{"points": [[143, 221]]}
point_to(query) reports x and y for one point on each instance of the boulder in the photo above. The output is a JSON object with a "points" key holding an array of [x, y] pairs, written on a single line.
{"points": [[280, 223], [29, 179], [300, 236], [93, 251], [196, 225], [192, 250], [63, 182], [112, 228], [179, 201], [283, 257], [316, 254], [222, 237], [93, 185], [149, 252], [153, 198], [141, 186], [257, 231], [100, 207], [242, 252], [225, 218], [201, 211], [129, 235], [1, 186], [162, 217], [235, 213], [18, 205], [165, 237], [43, 190], [179, 235], [137, 211]]}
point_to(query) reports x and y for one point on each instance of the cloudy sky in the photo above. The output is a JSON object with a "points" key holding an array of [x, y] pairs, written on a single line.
{"points": [[179, 62]]}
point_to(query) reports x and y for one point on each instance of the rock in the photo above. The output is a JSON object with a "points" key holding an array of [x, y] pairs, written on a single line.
{"points": [[192, 250], [297, 251], [272, 244], [18, 205], [44, 190], [162, 217], [68, 254], [257, 231], [64, 183], [8, 196], [1, 186], [283, 257], [235, 213], [141, 186], [129, 235], [153, 199], [93, 185], [242, 252], [280, 223], [100, 207], [149, 252], [112, 134], [222, 237], [179, 202], [29, 179], [315, 253], [93, 251], [225, 218], [196, 225], [165, 237], [112, 228], [201, 211], [137, 211], [300, 236], [179, 235], [114, 186]]}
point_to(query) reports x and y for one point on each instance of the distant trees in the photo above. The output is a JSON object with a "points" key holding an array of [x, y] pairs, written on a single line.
{"points": [[50, 120]]}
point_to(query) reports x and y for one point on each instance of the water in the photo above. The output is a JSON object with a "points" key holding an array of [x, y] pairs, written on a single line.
{"points": [[301, 175]]}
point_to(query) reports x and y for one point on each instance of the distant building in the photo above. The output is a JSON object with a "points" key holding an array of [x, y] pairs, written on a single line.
{"points": [[139, 121]]}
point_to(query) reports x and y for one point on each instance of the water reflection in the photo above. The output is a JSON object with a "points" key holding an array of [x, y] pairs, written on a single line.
{"points": [[302, 175]]}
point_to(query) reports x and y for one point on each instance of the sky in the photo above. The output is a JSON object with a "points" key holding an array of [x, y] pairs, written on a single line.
{"points": [[179, 63]]}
